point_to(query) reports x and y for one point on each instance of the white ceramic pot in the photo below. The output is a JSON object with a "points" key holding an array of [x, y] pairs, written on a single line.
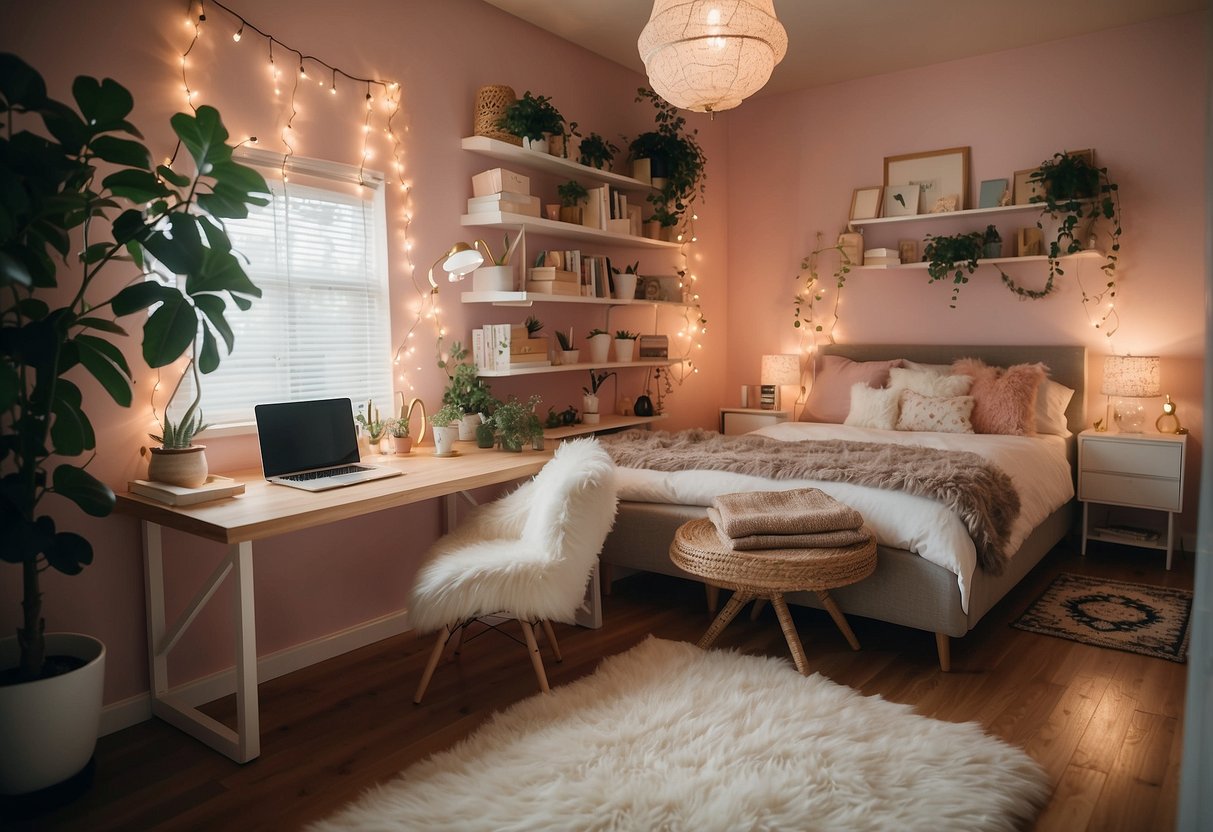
{"points": [[185, 467], [539, 145], [600, 348], [625, 286], [624, 349], [467, 427], [566, 357], [493, 279], [444, 438], [589, 403], [48, 727]]}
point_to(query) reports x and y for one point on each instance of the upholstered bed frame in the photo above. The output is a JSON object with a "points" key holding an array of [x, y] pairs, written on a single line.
{"points": [[905, 589]]}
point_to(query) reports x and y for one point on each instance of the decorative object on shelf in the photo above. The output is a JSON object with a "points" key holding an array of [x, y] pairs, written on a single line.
{"points": [[643, 406], [492, 102], [1130, 378], [991, 193], [597, 152], [600, 346], [901, 200], [446, 429], [991, 242], [954, 256], [458, 262], [866, 202], [516, 422], [559, 143], [938, 173], [1168, 422], [371, 424], [568, 354], [1026, 190], [907, 251], [406, 414], [486, 434], [533, 119], [625, 345], [59, 328], [1075, 194], [778, 371], [465, 389], [1029, 242], [402, 443], [572, 195], [551, 211], [498, 277], [703, 58], [625, 282], [590, 397], [850, 245], [675, 158]]}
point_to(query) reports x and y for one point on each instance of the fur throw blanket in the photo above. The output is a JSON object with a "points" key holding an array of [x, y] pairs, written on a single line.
{"points": [[981, 494]]}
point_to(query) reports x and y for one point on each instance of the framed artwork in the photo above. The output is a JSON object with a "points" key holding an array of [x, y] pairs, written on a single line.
{"points": [[907, 251], [865, 203], [901, 200], [990, 193], [940, 174], [1026, 191]]}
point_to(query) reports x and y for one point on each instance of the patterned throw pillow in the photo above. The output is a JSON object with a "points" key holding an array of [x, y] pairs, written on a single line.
{"points": [[945, 415], [872, 407]]}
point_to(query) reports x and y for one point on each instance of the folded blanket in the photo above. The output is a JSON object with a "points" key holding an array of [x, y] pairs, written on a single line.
{"points": [[795, 511], [812, 540]]}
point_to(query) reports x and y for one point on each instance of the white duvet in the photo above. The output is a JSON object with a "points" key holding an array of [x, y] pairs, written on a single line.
{"points": [[1037, 466]]}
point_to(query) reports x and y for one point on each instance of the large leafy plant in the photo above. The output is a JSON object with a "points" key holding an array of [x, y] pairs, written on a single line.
{"points": [[675, 156], [78, 194]]}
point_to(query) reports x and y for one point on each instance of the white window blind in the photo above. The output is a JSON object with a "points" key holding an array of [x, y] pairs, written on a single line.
{"points": [[321, 329]]}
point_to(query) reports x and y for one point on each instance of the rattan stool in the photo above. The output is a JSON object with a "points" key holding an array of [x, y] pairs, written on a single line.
{"points": [[768, 574]]}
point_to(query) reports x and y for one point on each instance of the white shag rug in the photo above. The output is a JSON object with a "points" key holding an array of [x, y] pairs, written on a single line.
{"points": [[669, 737]]}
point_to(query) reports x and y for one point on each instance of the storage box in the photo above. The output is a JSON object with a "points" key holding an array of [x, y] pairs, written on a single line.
{"points": [[508, 203], [496, 180], [654, 346], [623, 226]]}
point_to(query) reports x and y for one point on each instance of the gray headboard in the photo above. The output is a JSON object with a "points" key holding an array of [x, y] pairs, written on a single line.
{"points": [[1067, 365]]}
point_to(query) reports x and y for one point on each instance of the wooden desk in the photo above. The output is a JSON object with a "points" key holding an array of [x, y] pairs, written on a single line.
{"points": [[263, 511]]}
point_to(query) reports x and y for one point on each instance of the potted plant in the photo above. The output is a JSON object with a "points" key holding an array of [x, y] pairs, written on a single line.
{"points": [[600, 346], [568, 353], [1076, 193], [374, 427], [446, 429], [402, 442], [178, 461], [597, 152], [533, 119], [560, 142], [572, 195], [465, 390], [676, 161], [589, 400], [953, 256], [499, 277], [991, 242], [58, 320], [517, 423], [625, 283], [625, 345]]}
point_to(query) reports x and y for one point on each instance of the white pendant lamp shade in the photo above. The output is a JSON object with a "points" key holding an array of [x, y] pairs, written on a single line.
{"points": [[708, 55]]}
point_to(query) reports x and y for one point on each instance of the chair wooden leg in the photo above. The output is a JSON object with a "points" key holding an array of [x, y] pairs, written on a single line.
{"points": [[551, 637], [459, 637], [713, 593], [789, 633], [528, 633], [832, 608], [738, 600], [944, 647], [756, 610], [435, 655]]}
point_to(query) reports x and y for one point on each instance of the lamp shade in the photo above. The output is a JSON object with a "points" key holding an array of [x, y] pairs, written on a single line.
{"points": [[708, 55], [780, 370], [460, 261], [1131, 376]]}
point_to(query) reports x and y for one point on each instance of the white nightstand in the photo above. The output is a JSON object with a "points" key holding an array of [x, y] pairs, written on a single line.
{"points": [[735, 420], [1138, 470]]}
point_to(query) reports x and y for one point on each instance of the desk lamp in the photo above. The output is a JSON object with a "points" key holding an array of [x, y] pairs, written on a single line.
{"points": [[1130, 378], [460, 261], [778, 371]]}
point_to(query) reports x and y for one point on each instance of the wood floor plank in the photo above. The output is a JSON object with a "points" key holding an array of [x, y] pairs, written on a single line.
{"points": [[1074, 800], [1137, 774]]}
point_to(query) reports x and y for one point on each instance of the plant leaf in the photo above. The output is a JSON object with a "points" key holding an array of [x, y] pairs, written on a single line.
{"points": [[123, 152], [208, 357], [170, 330], [71, 431], [136, 185], [140, 296], [214, 307], [104, 105], [92, 496], [108, 365], [69, 553], [178, 179]]}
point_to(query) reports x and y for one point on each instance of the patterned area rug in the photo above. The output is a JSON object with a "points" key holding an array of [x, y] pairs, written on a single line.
{"points": [[1152, 620]]}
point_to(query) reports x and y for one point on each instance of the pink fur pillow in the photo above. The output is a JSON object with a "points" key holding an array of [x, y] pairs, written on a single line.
{"points": [[1004, 401], [830, 397]]}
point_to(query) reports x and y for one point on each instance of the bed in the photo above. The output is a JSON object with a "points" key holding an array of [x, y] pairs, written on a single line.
{"points": [[930, 589]]}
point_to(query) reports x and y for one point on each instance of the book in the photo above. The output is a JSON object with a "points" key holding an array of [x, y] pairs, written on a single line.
{"points": [[505, 202], [215, 488], [501, 345], [530, 359], [522, 365], [550, 273], [527, 346], [478, 349], [553, 287]]}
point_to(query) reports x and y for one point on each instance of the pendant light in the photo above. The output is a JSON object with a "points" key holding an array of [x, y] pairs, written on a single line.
{"points": [[708, 55]]}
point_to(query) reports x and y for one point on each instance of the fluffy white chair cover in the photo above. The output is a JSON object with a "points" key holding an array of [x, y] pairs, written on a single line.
{"points": [[529, 553]]}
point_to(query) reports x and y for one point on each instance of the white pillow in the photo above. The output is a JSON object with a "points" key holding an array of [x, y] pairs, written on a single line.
{"points": [[1052, 399], [872, 407], [929, 383], [945, 415], [934, 369]]}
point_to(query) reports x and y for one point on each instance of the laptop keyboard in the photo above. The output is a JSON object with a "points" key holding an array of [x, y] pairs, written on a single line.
{"points": [[326, 473]]}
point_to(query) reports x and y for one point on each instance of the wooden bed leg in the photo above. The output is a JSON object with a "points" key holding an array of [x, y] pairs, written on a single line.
{"points": [[713, 596], [944, 647]]}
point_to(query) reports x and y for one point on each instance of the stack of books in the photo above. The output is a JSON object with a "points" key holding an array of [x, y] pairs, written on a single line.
{"points": [[506, 202], [549, 280], [507, 347], [881, 257]]}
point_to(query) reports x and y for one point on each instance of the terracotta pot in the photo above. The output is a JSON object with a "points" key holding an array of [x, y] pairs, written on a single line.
{"points": [[403, 444], [185, 467], [570, 213]]}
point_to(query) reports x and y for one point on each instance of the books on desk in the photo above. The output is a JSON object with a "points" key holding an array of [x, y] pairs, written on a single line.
{"points": [[215, 488]]}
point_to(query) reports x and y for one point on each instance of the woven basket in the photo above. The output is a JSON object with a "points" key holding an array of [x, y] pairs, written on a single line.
{"points": [[697, 549], [491, 104]]}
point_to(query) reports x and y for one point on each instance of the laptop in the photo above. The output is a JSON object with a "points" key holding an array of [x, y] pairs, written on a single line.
{"points": [[312, 445]]}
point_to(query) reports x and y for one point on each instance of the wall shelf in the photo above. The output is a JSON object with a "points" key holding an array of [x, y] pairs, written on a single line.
{"points": [[534, 160], [580, 367], [528, 298], [565, 230], [607, 422], [953, 215], [1082, 255]]}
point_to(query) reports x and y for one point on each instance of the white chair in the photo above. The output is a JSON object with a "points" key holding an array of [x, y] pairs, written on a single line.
{"points": [[528, 555]]}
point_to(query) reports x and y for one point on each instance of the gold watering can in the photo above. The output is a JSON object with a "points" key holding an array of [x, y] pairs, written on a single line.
{"points": [[406, 413]]}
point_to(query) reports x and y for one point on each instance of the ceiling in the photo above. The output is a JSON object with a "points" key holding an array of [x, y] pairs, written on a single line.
{"points": [[838, 40]]}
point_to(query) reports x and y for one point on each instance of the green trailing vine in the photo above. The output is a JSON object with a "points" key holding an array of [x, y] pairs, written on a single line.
{"points": [[953, 256], [804, 305]]}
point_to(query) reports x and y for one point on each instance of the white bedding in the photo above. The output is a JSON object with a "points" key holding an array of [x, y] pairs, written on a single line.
{"points": [[1036, 465]]}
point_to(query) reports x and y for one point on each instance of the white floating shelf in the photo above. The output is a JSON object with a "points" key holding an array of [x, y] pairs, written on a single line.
{"points": [[570, 368], [1082, 255], [528, 298], [606, 422], [533, 159], [953, 215], [565, 230]]}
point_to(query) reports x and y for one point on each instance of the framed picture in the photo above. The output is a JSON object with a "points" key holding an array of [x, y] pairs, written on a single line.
{"points": [[901, 200], [907, 251], [865, 203], [990, 194], [939, 174], [1026, 191]]}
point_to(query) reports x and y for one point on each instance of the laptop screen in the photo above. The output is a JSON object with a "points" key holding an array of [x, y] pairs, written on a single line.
{"points": [[298, 436]]}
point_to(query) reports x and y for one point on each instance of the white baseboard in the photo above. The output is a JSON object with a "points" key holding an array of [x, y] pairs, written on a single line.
{"points": [[136, 709]]}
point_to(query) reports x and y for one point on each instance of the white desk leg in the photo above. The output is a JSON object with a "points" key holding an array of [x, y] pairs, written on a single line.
{"points": [[248, 720], [153, 587]]}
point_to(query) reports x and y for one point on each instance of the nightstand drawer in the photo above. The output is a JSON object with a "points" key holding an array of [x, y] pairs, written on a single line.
{"points": [[1142, 492], [1155, 459]]}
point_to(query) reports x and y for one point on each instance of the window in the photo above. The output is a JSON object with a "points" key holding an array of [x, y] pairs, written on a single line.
{"points": [[321, 329]]}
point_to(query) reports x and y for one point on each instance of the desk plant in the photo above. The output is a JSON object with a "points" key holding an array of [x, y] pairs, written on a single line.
{"points": [[371, 423], [675, 158], [65, 224], [517, 423], [532, 118]]}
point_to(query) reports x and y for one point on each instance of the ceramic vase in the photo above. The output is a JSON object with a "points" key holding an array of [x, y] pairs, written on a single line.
{"points": [[589, 407], [493, 279], [600, 348], [185, 467], [444, 439]]}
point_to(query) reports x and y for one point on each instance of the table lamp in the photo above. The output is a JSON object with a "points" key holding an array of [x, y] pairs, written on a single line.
{"points": [[777, 371], [1130, 378]]}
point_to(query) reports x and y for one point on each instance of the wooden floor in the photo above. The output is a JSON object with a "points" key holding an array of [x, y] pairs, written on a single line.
{"points": [[1105, 724]]}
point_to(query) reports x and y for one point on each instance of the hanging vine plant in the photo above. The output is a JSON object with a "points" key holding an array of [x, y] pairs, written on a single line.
{"points": [[804, 304]]}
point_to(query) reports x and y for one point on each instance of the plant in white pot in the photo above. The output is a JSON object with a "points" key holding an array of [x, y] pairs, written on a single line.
{"points": [[446, 429], [534, 119], [58, 327], [569, 354], [625, 282], [600, 346], [589, 401], [498, 277], [466, 390], [625, 345]]}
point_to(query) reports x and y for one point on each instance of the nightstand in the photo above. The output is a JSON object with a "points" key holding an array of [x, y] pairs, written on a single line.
{"points": [[1137, 470], [735, 420]]}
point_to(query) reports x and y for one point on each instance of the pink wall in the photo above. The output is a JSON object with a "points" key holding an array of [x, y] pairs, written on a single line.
{"points": [[1135, 94], [1142, 118]]}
